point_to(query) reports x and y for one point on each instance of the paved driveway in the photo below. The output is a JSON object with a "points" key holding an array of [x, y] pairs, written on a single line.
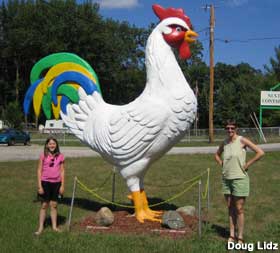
{"points": [[21, 153]]}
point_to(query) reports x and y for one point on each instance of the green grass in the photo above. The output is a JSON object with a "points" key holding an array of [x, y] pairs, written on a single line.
{"points": [[19, 212]]}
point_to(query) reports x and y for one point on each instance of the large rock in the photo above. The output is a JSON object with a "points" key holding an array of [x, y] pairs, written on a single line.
{"points": [[104, 217], [189, 210], [173, 220]]}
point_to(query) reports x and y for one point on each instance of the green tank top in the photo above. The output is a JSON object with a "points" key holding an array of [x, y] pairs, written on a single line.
{"points": [[234, 159]]}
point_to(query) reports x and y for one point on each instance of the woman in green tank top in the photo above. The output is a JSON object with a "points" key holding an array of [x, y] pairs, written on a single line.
{"points": [[231, 155]]}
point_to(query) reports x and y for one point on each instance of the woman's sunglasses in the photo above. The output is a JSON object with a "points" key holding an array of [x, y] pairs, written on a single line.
{"points": [[230, 128]]}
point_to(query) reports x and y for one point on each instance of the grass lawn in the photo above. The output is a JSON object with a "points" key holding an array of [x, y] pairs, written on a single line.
{"points": [[19, 211]]}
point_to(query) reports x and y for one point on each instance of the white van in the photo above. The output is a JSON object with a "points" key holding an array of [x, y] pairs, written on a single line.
{"points": [[2, 124], [55, 126]]}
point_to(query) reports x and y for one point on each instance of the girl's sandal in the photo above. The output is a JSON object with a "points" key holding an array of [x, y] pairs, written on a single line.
{"points": [[38, 233], [240, 240], [231, 239]]}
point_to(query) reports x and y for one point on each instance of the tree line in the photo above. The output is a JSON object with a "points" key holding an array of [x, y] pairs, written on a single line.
{"points": [[32, 29]]}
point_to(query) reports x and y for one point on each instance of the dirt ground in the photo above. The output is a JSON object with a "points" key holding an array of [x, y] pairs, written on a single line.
{"points": [[126, 223]]}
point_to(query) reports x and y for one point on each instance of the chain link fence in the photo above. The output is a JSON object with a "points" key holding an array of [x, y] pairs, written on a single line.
{"points": [[272, 135]]}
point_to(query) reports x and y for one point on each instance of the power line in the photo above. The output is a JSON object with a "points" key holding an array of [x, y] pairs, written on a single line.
{"points": [[206, 54], [204, 29], [204, 39], [247, 40]]}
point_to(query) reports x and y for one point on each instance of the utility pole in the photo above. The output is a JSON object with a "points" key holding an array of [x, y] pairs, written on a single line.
{"points": [[196, 113], [211, 88]]}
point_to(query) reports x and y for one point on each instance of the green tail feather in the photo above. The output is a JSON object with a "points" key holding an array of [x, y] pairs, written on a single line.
{"points": [[47, 62], [65, 89]]}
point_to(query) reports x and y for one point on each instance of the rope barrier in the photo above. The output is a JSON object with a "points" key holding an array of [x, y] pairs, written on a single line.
{"points": [[101, 186], [185, 182], [86, 189], [93, 192], [175, 196], [204, 196]]}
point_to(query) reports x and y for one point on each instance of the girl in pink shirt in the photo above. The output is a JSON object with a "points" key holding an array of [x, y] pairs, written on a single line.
{"points": [[50, 175]]}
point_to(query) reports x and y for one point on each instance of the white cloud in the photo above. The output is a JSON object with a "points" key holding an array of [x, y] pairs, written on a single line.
{"points": [[118, 4]]}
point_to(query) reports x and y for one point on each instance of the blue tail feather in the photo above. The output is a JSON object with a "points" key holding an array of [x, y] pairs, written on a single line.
{"points": [[63, 104], [71, 76], [29, 96]]}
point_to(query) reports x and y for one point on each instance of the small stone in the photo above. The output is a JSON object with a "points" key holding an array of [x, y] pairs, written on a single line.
{"points": [[104, 217], [173, 220], [188, 210]]}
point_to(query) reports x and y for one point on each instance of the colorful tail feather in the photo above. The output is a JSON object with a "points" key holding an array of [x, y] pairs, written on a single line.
{"points": [[65, 73]]}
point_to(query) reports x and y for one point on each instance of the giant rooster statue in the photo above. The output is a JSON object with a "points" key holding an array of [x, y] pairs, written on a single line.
{"points": [[130, 136]]}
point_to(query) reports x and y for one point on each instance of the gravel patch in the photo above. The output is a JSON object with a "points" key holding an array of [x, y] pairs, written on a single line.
{"points": [[23, 153]]}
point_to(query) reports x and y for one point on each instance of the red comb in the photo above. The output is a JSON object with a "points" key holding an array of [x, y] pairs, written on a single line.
{"points": [[171, 12]]}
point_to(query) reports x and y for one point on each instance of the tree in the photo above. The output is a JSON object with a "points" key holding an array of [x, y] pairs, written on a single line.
{"points": [[274, 68], [13, 115], [237, 93]]}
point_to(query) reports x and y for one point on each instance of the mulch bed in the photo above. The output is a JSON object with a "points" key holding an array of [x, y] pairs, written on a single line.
{"points": [[125, 223]]}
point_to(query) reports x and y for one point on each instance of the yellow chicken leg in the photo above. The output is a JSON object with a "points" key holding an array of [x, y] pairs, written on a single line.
{"points": [[146, 206], [140, 213]]}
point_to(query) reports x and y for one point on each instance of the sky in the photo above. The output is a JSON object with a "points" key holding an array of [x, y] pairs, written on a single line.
{"points": [[245, 30]]}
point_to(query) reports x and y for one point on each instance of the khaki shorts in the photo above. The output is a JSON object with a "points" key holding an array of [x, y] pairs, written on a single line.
{"points": [[239, 187]]}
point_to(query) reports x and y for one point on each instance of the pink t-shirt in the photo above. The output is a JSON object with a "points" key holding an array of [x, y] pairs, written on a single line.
{"points": [[51, 167]]}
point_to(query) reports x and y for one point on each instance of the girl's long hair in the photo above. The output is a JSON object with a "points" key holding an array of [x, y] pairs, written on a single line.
{"points": [[46, 150]]}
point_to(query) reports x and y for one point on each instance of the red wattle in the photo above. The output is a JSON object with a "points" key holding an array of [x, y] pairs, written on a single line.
{"points": [[184, 51]]}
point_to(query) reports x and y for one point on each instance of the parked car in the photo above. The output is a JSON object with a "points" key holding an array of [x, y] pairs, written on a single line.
{"points": [[12, 136]]}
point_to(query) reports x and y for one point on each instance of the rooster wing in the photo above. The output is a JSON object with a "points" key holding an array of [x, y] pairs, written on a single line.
{"points": [[134, 129]]}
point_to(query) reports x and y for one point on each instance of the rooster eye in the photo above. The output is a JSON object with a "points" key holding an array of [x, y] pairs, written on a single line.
{"points": [[178, 29]]}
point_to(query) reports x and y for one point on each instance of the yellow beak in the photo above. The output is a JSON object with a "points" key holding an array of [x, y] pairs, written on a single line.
{"points": [[189, 36]]}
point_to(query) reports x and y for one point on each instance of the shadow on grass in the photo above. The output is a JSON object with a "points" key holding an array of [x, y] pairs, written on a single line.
{"points": [[94, 206], [61, 220], [221, 231]]}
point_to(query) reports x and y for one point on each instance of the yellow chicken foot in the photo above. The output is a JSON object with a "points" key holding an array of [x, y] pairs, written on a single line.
{"points": [[146, 205], [140, 212]]}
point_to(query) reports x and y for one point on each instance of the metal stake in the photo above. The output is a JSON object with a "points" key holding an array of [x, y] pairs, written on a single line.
{"points": [[199, 208], [114, 184], [72, 203], [208, 190]]}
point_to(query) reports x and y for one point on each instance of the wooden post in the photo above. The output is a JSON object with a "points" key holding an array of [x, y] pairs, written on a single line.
{"points": [[36, 122], [196, 113], [211, 88], [25, 121]]}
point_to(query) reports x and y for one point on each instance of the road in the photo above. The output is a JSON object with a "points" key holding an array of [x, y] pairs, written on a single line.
{"points": [[23, 153]]}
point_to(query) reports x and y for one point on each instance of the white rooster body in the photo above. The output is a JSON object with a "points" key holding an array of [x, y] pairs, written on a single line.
{"points": [[132, 136]]}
